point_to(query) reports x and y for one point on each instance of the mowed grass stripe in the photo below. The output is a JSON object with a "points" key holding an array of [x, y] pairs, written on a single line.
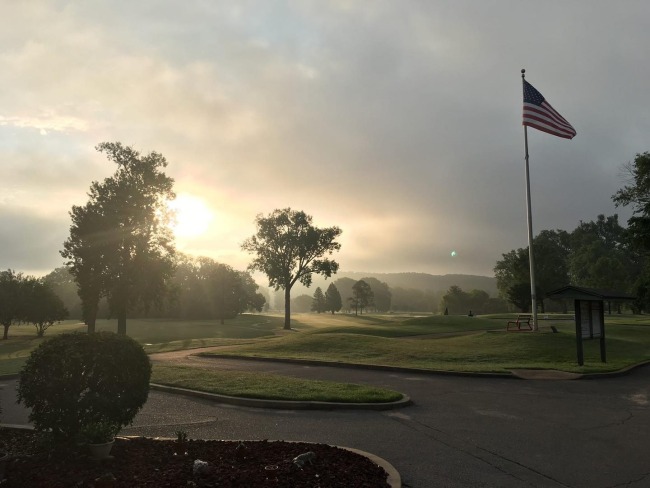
{"points": [[268, 386]]}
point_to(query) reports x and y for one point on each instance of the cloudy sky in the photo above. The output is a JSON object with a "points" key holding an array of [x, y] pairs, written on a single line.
{"points": [[398, 121]]}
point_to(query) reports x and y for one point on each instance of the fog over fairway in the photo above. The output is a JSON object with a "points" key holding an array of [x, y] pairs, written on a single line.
{"points": [[400, 122]]}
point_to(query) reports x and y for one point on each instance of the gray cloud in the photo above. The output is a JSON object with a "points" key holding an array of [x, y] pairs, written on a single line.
{"points": [[398, 122]]}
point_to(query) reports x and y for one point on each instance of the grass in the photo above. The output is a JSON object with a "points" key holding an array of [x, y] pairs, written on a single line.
{"points": [[156, 335], [268, 386], [430, 342], [462, 344]]}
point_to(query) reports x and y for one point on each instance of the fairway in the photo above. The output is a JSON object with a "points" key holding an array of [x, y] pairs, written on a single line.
{"points": [[433, 342]]}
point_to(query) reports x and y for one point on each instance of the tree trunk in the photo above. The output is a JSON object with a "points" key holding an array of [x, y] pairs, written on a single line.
{"points": [[91, 325], [121, 320], [287, 308], [4, 337], [92, 318]]}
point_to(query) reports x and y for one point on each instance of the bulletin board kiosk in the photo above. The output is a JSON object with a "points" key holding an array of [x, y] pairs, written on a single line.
{"points": [[589, 313]]}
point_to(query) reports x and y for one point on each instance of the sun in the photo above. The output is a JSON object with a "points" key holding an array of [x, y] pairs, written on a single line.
{"points": [[193, 217]]}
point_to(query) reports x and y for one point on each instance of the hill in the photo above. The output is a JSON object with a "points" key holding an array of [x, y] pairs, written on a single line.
{"points": [[419, 281]]}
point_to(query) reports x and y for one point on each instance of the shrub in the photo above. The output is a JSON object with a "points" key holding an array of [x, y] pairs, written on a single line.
{"points": [[73, 380]]}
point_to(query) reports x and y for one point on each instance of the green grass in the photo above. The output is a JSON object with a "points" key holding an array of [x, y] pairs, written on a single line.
{"points": [[461, 344], [268, 386], [429, 342], [155, 335]]}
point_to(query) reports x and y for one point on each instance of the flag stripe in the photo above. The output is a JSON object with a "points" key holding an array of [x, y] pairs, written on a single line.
{"points": [[533, 115], [539, 114]]}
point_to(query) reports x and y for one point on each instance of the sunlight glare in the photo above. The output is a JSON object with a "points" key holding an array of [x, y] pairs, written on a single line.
{"points": [[193, 217]]}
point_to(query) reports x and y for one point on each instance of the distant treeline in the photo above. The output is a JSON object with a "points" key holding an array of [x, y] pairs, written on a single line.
{"points": [[401, 299]]}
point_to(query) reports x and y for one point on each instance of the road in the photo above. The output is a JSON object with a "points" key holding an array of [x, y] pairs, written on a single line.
{"points": [[460, 431]]}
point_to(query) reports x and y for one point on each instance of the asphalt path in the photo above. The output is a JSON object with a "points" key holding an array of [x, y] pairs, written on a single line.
{"points": [[460, 431]]}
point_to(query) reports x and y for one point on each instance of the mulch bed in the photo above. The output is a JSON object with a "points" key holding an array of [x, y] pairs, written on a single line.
{"points": [[145, 462]]}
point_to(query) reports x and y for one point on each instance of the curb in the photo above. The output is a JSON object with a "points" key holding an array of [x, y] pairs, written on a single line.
{"points": [[282, 404]]}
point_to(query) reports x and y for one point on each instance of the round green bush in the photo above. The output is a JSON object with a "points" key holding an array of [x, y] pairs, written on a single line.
{"points": [[73, 380]]}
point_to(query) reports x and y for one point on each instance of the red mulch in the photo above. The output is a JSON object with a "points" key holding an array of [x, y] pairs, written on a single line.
{"points": [[144, 462]]}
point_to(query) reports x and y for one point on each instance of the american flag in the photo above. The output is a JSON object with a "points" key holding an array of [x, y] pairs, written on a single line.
{"points": [[539, 114]]}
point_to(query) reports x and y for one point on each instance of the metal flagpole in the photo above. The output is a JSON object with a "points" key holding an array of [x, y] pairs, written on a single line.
{"points": [[531, 260]]}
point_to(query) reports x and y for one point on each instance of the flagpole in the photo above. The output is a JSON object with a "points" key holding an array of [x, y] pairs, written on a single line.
{"points": [[530, 226]]}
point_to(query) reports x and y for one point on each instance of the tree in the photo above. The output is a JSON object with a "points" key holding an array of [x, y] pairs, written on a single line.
{"points": [[601, 256], [302, 303], [333, 302], [551, 252], [362, 296], [381, 293], [224, 291], [44, 306], [289, 249], [249, 298], [62, 282], [318, 301], [637, 195], [86, 250], [519, 295], [344, 287], [120, 242], [10, 299], [456, 301]]}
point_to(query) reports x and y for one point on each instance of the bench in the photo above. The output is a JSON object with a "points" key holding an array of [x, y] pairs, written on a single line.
{"points": [[522, 319]]}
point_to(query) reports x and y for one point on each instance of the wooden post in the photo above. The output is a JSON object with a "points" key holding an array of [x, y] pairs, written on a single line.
{"points": [[578, 312]]}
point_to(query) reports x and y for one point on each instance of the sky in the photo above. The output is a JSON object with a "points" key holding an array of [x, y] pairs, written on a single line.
{"points": [[398, 121]]}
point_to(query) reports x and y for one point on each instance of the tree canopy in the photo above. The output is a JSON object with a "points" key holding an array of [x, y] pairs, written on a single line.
{"points": [[333, 302], [288, 248], [362, 296], [120, 243]]}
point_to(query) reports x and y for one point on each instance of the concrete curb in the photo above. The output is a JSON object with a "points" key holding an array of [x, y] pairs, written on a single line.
{"points": [[282, 404]]}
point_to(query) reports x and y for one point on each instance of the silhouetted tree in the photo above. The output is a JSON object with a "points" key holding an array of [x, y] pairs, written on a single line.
{"points": [[637, 195], [318, 301], [362, 296], [44, 307], [381, 294], [120, 242], [289, 249], [519, 295], [333, 302], [11, 306]]}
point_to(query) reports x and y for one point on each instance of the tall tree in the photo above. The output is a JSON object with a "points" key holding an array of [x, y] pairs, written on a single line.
{"points": [[637, 195], [86, 250], [552, 250], [362, 296], [333, 302], [289, 249], [120, 242], [318, 301], [601, 257]]}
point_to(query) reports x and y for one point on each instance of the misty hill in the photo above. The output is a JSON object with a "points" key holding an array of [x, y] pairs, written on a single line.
{"points": [[419, 281]]}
